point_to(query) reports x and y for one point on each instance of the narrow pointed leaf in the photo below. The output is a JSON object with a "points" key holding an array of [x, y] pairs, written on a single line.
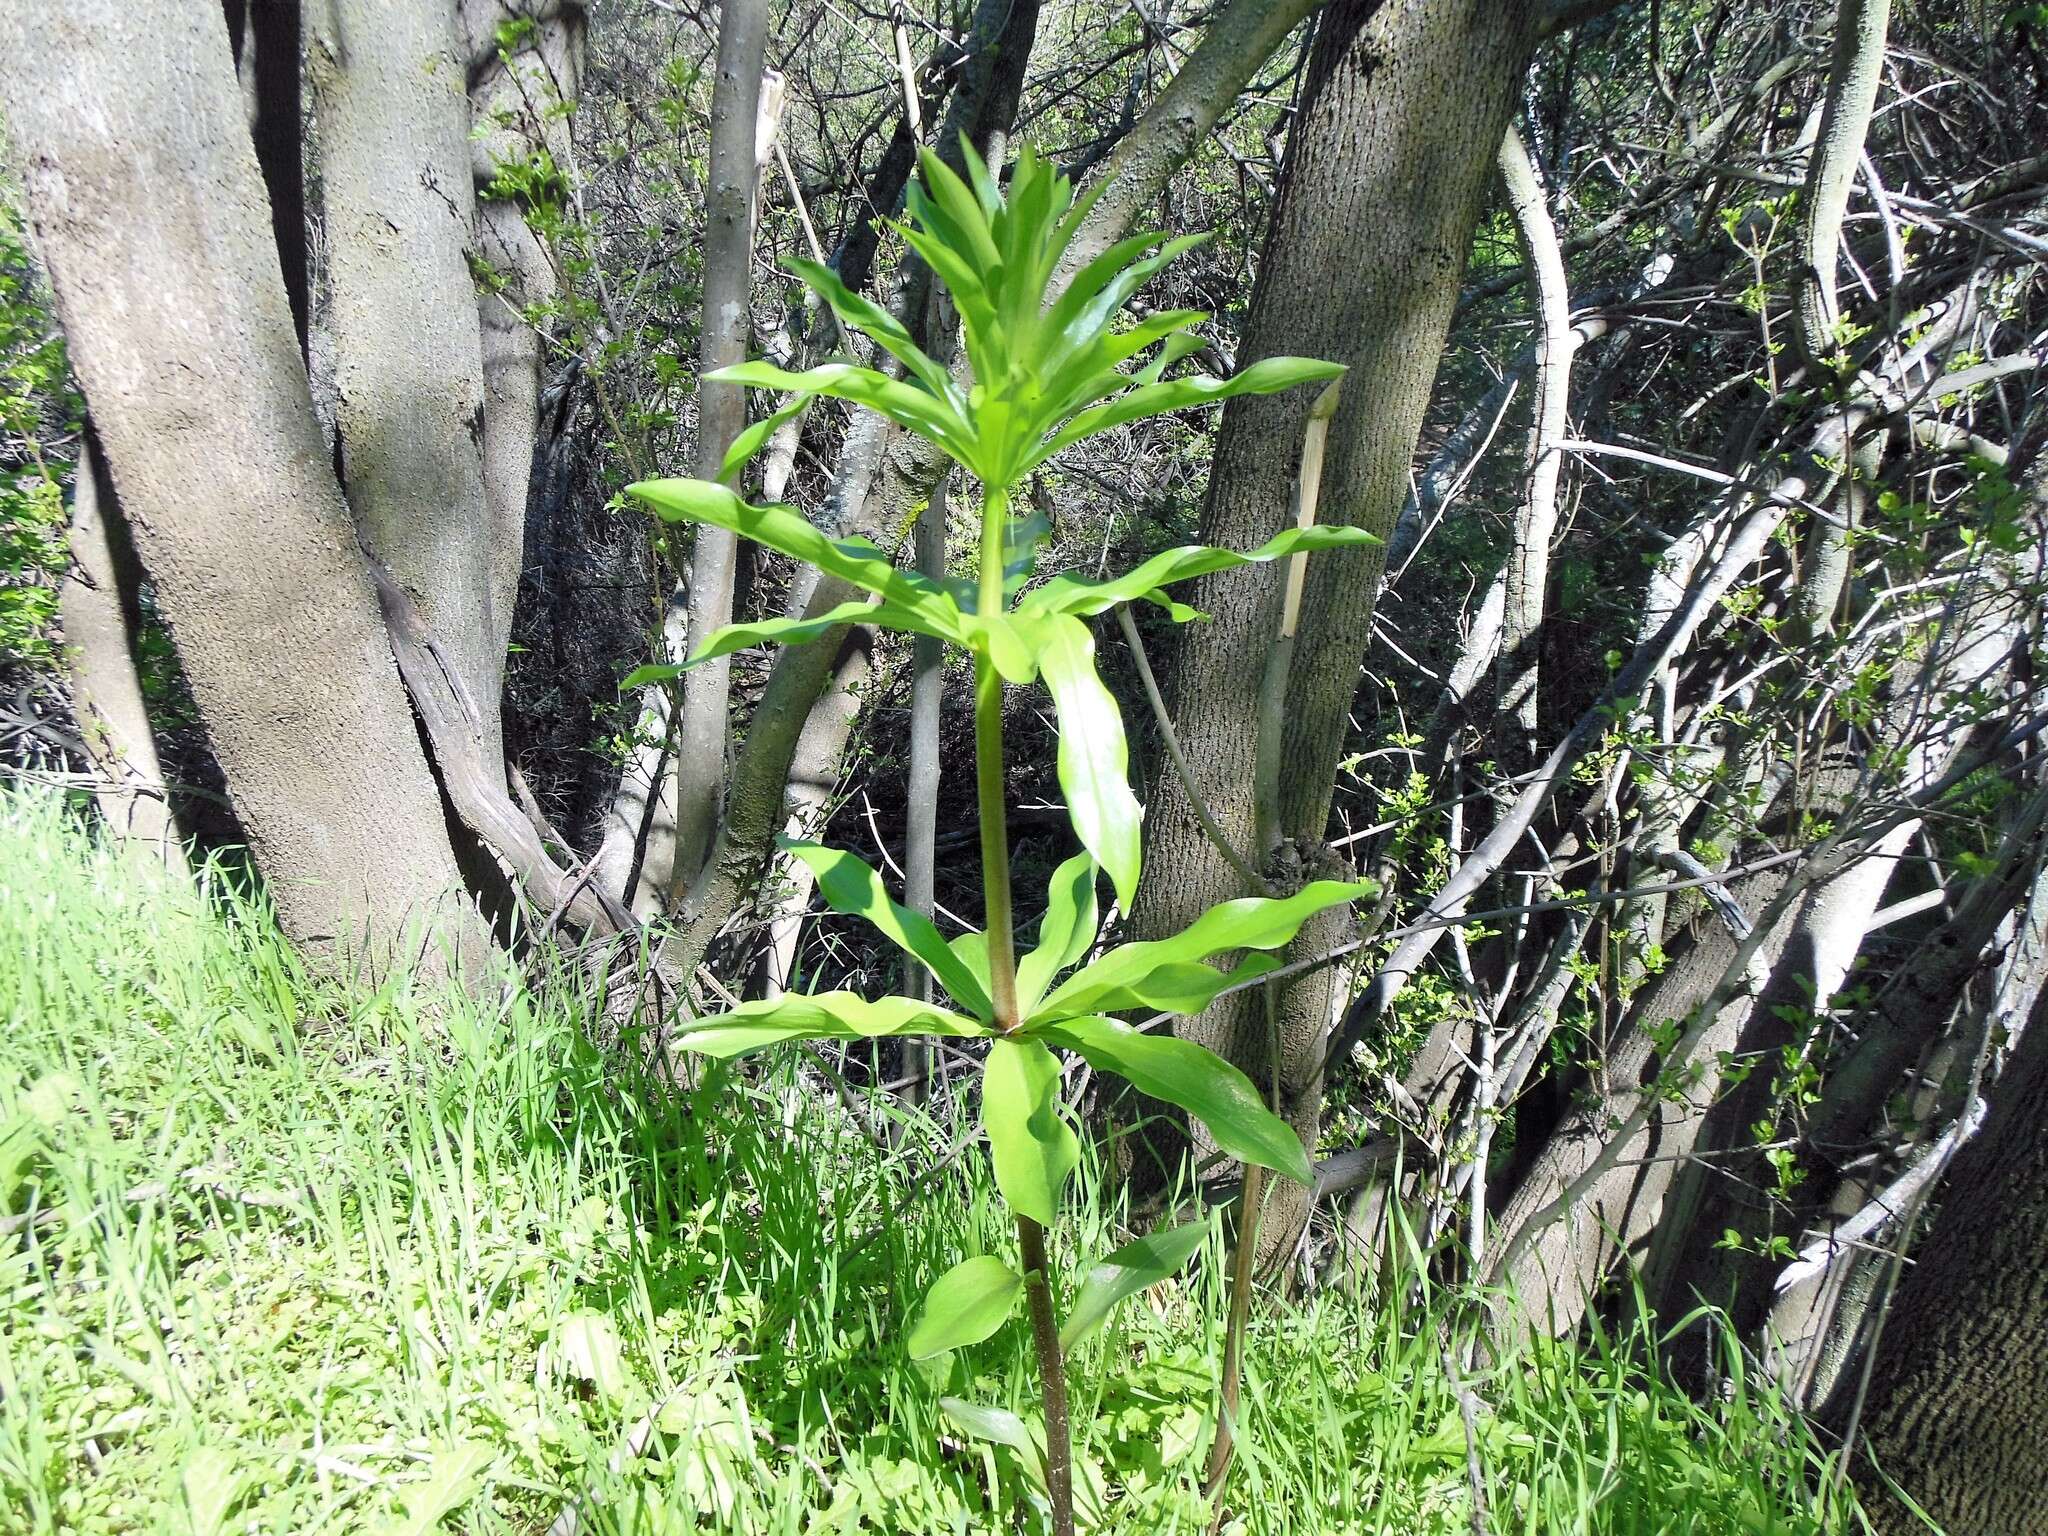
{"points": [[1094, 759], [869, 318], [965, 1305], [1250, 922], [755, 437], [1262, 378], [783, 631], [817, 1016], [971, 949], [1076, 595], [1065, 933], [1132, 1268], [1198, 1081], [784, 530], [1031, 1146], [908, 405], [850, 885]]}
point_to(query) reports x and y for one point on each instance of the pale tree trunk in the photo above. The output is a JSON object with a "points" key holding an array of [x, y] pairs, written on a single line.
{"points": [[813, 775], [1853, 77], [149, 211], [513, 106], [735, 172], [1386, 172], [390, 98], [101, 615], [1961, 1372], [1528, 565]]}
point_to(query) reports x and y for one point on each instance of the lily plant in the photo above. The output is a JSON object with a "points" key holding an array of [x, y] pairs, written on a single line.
{"points": [[1046, 370]]}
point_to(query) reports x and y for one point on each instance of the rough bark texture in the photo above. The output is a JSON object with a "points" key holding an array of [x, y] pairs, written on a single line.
{"points": [[391, 100], [149, 210], [1961, 1372], [101, 614], [1387, 167]]}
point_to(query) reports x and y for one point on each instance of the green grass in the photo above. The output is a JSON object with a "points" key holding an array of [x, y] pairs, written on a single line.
{"points": [[284, 1256]]}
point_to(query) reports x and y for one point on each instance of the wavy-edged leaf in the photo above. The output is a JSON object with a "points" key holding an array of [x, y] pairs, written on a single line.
{"points": [[1094, 759], [911, 407], [998, 1426], [965, 1305], [1266, 377], [755, 437], [850, 885], [1013, 645], [1249, 922], [860, 313], [737, 637], [1032, 1148], [1080, 596], [789, 532], [817, 1016], [1065, 932], [1198, 1081], [971, 949], [1135, 1267]]}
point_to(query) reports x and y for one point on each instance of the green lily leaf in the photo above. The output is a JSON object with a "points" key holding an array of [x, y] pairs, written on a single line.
{"points": [[917, 600], [965, 1305], [913, 408], [1065, 933], [971, 950], [1250, 922], [817, 1016], [851, 886], [1032, 1148], [862, 314], [755, 438], [998, 1426], [1075, 595], [737, 637], [1037, 358], [1094, 759], [1135, 1267], [1197, 1080], [1266, 377]]}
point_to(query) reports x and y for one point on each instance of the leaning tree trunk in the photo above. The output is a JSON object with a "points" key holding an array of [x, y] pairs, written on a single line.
{"points": [[149, 211], [101, 614], [1953, 1412], [1387, 169]]}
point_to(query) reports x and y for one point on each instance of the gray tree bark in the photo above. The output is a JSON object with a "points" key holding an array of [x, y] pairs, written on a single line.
{"points": [[390, 96], [1387, 168], [1953, 1413], [703, 728], [101, 613], [149, 211]]}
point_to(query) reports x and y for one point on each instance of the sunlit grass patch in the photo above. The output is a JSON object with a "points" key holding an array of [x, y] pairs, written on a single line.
{"points": [[283, 1256]]}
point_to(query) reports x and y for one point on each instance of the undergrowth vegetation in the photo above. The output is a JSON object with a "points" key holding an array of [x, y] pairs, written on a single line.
{"points": [[284, 1256]]}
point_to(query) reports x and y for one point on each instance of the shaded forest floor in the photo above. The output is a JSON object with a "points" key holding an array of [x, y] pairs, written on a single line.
{"points": [[284, 1256]]}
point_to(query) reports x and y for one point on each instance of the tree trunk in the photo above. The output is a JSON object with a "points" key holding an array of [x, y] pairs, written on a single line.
{"points": [[1953, 1413], [149, 211], [101, 614], [390, 98], [1387, 169], [703, 728]]}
